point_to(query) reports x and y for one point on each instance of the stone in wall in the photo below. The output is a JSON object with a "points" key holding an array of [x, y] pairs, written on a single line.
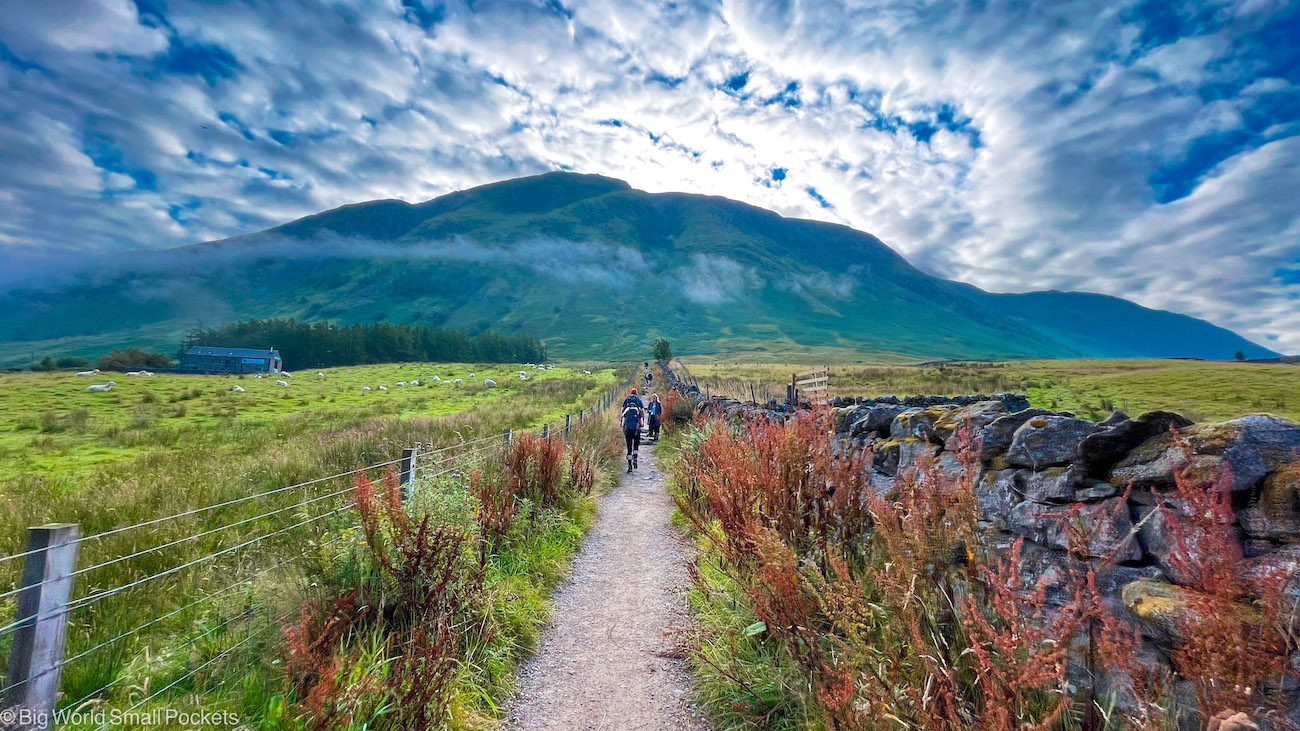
{"points": [[1095, 530], [1101, 450], [995, 439], [1273, 510], [1242, 450]]}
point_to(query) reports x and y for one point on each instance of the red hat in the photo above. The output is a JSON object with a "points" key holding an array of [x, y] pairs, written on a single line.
{"points": [[634, 392]]}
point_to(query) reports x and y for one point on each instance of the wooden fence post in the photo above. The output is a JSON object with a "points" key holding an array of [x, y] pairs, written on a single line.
{"points": [[407, 473], [568, 425], [36, 657]]}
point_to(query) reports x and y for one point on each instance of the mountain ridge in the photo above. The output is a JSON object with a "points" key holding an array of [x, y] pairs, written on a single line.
{"points": [[597, 269]]}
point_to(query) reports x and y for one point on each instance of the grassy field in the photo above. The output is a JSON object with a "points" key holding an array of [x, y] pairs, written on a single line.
{"points": [[172, 445], [52, 427], [1201, 390]]}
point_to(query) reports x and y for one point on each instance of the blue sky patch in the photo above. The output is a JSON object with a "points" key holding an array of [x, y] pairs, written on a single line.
{"points": [[107, 155], [9, 57], [209, 62], [821, 200]]}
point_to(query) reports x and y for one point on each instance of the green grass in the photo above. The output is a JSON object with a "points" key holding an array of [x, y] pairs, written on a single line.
{"points": [[52, 427], [162, 446], [1201, 390], [739, 674]]}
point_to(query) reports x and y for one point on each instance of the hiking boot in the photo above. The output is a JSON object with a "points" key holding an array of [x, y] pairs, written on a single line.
{"points": [[629, 464], [634, 464]]}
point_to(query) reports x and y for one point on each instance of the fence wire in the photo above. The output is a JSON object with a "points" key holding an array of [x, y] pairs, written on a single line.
{"points": [[444, 460]]}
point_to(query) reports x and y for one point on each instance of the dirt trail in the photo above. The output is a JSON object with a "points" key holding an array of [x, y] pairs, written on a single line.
{"points": [[611, 656]]}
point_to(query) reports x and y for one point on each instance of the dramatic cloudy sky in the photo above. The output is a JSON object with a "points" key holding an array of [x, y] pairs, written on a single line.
{"points": [[1141, 149]]}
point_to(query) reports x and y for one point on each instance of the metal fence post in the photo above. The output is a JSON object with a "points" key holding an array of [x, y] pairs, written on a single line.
{"points": [[546, 430], [407, 473], [580, 414], [568, 425], [36, 657], [505, 437]]}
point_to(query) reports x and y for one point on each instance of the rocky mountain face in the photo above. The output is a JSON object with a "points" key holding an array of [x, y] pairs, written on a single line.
{"points": [[595, 268]]}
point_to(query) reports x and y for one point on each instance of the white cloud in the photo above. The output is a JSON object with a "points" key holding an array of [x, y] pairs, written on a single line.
{"points": [[713, 279], [1072, 111]]}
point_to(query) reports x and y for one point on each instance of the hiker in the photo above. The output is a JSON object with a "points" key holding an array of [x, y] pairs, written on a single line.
{"points": [[655, 410], [632, 409]]}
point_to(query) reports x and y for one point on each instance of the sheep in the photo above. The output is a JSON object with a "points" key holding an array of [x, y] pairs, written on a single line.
{"points": [[459, 381], [365, 388], [282, 383], [286, 374], [587, 372], [523, 377], [238, 389], [383, 388], [319, 375], [415, 383], [147, 373], [523, 373], [101, 387], [401, 383], [258, 375], [471, 375], [489, 382], [88, 374]]}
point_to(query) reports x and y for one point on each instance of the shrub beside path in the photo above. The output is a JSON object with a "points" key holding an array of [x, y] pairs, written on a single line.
{"points": [[612, 656]]}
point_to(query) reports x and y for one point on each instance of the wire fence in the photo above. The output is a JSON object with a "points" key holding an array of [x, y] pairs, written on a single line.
{"points": [[75, 626]]}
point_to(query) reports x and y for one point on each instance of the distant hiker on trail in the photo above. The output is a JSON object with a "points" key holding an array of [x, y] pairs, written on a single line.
{"points": [[655, 410], [648, 377], [632, 409]]}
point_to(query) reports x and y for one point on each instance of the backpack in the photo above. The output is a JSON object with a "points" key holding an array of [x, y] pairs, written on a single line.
{"points": [[632, 412]]}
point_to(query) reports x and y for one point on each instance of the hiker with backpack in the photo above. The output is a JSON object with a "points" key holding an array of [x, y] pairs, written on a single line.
{"points": [[633, 408]]}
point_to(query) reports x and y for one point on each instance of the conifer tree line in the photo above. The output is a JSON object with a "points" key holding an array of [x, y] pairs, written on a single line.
{"points": [[324, 344]]}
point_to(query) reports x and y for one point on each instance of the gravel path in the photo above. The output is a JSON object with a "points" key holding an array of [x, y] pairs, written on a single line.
{"points": [[611, 657]]}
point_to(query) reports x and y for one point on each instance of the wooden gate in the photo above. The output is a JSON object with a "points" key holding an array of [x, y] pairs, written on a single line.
{"points": [[811, 385]]}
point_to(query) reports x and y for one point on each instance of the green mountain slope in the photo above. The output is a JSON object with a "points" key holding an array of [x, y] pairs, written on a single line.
{"points": [[1101, 326], [594, 267]]}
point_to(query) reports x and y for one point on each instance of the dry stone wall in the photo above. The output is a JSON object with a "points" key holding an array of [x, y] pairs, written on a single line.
{"points": [[1042, 472]]}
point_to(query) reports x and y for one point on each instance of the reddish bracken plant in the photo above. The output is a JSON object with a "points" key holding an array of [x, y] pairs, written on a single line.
{"points": [[718, 480], [883, 600], [1231, 642], [536, 466], [669, 424], [421, 585], [1019, 646], [420, 678], [582, 473], [496, 505], [311, 665]]}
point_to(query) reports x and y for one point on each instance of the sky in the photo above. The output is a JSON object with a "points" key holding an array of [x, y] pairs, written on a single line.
{"points": [[1148, 150]]}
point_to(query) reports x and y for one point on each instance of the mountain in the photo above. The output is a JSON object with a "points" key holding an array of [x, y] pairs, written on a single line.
{"points": [[597, 269], [1102, 326]]}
